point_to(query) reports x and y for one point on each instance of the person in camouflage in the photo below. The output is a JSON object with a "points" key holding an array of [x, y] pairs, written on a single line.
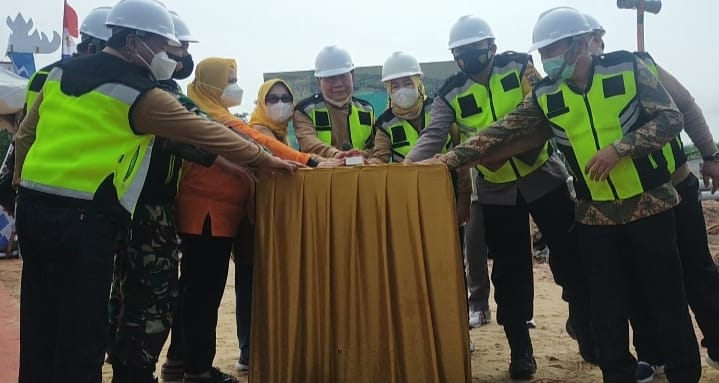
{"points": [[145, 282]]}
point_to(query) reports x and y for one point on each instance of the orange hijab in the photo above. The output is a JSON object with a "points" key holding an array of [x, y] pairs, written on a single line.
{"points": [[205, 90], [259, 115]]}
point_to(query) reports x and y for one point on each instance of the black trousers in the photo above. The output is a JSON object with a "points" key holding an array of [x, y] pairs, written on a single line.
{"points": [[508, 239], [67, 271], [203, 276], [701, 280], [641, 255]]}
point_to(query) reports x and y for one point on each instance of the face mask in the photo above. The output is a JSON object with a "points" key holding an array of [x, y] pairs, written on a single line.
{"points": [[557, 68], [404, 97], [161, 66], [187, 66], [231, 96], [472, 60], [280, 111]]}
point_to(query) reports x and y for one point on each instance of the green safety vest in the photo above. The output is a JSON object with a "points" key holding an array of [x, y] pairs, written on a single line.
{"points": [[81, 140], [674, 150], [359, 120], [477, 106], [34, 85], [585, 123], [402, 134]]}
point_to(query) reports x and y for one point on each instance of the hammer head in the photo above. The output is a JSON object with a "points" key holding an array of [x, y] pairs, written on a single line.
{"points": [[651, 6]]}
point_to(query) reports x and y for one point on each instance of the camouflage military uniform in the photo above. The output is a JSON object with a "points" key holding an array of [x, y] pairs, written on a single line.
{"points": [[145, 282], [145, 285]]}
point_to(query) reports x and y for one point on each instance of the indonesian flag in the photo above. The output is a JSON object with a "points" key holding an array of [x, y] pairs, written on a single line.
{"points": [[69, 31]]}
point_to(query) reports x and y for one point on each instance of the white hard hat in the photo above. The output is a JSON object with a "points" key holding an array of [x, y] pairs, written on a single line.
{"points": [[398, 65], [557, 24], [93, 24], [143, 15], [594, 24], [182, 31], [467, 30], [332, 61]]}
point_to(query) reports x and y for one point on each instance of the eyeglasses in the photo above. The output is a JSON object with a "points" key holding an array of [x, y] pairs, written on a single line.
{"points": [[274, 99]]}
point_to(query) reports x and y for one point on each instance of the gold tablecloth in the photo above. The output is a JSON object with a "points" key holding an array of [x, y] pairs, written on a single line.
{"points": [[358, 278]]}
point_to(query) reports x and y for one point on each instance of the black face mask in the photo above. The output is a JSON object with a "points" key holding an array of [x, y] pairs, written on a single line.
{"points": [[187, 66], [89, 46], [472, 60]]}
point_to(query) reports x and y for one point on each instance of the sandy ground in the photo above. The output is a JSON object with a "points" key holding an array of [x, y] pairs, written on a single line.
{"points": [[556, 353]]}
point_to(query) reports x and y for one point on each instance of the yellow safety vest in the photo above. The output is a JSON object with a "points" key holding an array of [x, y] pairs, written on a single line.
{"points": [[585, 123], [82, 140], [477, 106], [359, 120], [402, 134]]}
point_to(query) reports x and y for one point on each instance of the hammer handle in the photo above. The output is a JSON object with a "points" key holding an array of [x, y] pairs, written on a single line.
{"points": [[640, 26]]}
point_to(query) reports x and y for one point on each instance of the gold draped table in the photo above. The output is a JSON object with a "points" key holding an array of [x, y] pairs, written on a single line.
{"points": [[358, 278]]}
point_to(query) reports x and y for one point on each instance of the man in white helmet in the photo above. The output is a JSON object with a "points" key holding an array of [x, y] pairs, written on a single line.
{"points": [[701, 278], [489, 86], [80, 166], [610, 117], [333, 121]]}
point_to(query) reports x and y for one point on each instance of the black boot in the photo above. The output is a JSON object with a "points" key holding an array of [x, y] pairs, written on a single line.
{"points": [[522, 364]]}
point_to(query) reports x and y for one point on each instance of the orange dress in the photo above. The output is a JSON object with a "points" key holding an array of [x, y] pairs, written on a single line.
{"points": [[215, 192]]}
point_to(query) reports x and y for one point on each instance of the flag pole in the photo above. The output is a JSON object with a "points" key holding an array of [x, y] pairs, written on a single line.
{"points": [[62, 46]]}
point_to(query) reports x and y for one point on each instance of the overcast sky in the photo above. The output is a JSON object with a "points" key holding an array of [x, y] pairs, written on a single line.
{"points": [[285, 35]]}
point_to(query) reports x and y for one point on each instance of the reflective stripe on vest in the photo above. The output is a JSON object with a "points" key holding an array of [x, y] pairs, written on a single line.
{"points": [[81, 140], [477, 106], [674, 150], [585, 123], [359, 121]]}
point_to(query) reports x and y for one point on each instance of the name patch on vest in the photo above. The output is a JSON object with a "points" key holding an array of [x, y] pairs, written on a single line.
{"points": [[364, 118], [509, 82], [322, 119], [37, 82], [399, 137], [556, 105], [613, 86], [468, 106]]}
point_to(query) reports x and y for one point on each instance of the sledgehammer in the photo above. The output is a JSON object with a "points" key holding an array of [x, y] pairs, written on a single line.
{"points": [[651, 6]]}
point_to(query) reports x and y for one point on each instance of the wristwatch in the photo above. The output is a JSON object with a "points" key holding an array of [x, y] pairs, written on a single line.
{"points": [[714, 157]]}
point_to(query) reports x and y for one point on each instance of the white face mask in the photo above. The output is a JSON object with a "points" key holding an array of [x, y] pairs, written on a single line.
{"points": [[404, 97], [231, 95], [280, 111], [341, 103], [161, 66]]}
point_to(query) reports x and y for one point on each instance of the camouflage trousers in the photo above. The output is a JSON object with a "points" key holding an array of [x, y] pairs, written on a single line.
{"points": [[144, 287]]}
